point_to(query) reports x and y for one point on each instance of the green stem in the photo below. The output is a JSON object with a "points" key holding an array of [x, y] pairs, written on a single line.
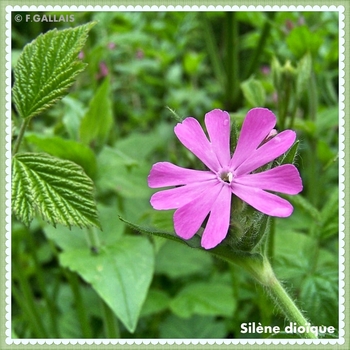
{"points": [[43, 286], [257, 54], [282, 299], [27, 299], [259, 268], [80, 306], [213, 51], [110, 322], [20, 135], [93, 239], [232, 62]]}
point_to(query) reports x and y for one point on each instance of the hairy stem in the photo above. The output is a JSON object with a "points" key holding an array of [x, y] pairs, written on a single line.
{"points": [[282, 299]]}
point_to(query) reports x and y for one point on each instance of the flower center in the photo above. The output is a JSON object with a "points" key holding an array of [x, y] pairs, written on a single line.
{"points": [[226, 176]]}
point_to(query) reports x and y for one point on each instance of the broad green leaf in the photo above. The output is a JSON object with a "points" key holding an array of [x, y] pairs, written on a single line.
{"points": [[196, 327], [47, 68], [138, 146], [98, 120], [76, 237], [176, 260], [253, 92], [204, 299], [301, 40], [121, 274], [65, 149], [57, 189], [155, 302], [119, 173], [250, 262]]}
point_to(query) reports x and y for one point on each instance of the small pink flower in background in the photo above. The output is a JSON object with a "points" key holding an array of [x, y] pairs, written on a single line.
{"points": [[111, 46], [265, 70], [140, 54], [202, 192], [103, 70]]}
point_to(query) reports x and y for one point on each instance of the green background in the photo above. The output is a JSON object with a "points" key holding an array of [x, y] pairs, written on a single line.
{"points": [[345, 193]]}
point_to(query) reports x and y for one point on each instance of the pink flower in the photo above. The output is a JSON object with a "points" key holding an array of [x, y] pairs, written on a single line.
{"points": [[202, 192]]}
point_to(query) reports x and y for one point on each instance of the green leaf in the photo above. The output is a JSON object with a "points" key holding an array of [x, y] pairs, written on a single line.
{"points": [[303, 74], [204, 299], [302, 202], [121, 274], [156, 301], [176, 260], [57, 189], [119, 173], [301, 40], [289, 156], [253, 92], [251, 262], [65, 149], [194, 242], [47, 68], [76, 237], [98, 120], [196, 327]]}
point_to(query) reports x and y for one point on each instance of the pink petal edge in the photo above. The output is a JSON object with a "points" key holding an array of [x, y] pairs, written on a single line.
{"points": [[265, 202], [256, 126], [165, 174], [191, 135], [218, 125]]}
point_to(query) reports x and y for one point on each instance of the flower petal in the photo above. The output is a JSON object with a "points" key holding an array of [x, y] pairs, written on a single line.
{"points": [[219, 220], [165, 174], [188, 219], [284, 179], [192, 136], [266, 202], [256, 126], [267, 152], [218, 127], [177, 197]]}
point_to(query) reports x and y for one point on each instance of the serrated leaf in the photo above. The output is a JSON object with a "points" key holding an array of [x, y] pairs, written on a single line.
{"points": [[121, 274], [290, 155], [57, 189], [98, 120], [65, 149], [47, 68]]}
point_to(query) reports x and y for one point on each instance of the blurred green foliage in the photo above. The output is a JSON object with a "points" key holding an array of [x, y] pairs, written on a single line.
{"points": [[115, 124]]}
